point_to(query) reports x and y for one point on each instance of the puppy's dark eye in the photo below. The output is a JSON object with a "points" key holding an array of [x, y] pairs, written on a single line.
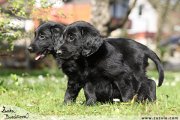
{"points": [[71, 38], [41, 36]]}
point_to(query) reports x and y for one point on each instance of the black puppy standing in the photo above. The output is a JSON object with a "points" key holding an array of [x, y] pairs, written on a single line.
{"points": [[44, 41], [111, 68]]}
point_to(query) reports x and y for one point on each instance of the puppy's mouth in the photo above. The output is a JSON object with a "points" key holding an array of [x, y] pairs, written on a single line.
{"points": [[41, 55]]}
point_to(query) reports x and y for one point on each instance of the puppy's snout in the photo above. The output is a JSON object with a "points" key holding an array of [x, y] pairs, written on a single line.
{"points": [[59, 51], [30, 49]]}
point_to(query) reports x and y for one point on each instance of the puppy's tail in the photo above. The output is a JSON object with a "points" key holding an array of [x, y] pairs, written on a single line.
{"points": [[159, 66]]}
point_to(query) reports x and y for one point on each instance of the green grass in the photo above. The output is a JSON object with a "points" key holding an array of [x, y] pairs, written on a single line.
{"points": [[42, 92]]}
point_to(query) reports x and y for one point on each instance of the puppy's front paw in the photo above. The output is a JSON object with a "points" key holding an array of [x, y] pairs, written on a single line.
{"points": [[90, 102]]}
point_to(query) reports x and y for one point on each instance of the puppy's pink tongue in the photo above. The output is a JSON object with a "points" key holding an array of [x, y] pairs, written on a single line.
{"points": [[39, 57]]}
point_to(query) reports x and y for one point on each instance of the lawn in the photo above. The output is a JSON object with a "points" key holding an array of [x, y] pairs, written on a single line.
{"points": [[42, 93]]}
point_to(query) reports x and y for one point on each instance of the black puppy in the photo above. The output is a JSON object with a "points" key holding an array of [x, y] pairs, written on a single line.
{"points": [[45, 36], [44, 41], [113, 68]]}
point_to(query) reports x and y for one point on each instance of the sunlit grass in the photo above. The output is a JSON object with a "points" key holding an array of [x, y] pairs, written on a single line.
{"points": [[42, 92]]}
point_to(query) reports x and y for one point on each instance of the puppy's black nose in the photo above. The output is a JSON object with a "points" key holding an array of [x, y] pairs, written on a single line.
{"points": [[30, 49], [59, 52]]}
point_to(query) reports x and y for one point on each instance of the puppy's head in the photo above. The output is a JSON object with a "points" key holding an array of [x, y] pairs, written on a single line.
{"points": [[45, 36], [80, 38]]}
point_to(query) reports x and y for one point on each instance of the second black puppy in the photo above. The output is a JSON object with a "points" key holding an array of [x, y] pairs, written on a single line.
{"points": [[113, 68]]}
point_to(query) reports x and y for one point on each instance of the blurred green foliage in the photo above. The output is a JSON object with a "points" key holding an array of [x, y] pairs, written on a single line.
{"points": [[11, 10]]}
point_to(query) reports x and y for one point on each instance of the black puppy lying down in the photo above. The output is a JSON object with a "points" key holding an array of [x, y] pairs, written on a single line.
{"points": [[109, 68]]}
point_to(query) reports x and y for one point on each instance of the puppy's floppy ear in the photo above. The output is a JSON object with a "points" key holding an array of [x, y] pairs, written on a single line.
{"points": [[57, 30], [91, 40]]}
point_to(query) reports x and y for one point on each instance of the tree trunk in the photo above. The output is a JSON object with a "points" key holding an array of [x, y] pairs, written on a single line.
{"points": [[100, 15], [162, 19]]}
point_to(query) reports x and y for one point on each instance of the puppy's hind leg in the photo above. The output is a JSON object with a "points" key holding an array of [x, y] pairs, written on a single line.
{"points": [[147, 91], [152, 89], [89, 91]]}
